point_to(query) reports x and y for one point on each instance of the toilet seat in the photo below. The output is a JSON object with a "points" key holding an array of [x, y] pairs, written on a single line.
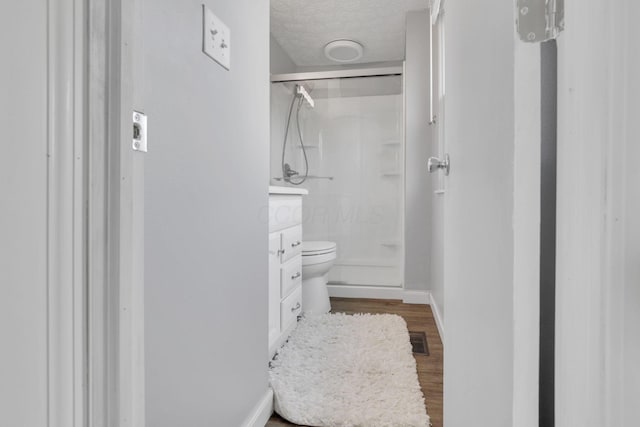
{"points": [[314, 248], [316, 259]]}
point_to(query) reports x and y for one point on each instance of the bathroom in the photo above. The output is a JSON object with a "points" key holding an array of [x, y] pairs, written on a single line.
{"points": [[233, 213], [353, 122], [360, 149]]}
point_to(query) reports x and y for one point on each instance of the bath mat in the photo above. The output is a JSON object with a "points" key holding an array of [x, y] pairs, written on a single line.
{"points": [[348, 370]]}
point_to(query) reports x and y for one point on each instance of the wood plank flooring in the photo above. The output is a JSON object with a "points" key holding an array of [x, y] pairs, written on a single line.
{"points": [[419, 318]]}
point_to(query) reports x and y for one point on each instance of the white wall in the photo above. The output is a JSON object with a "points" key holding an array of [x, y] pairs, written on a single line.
{"points": [[418, 191], [280, 60], [206, 183], [23, 214]]}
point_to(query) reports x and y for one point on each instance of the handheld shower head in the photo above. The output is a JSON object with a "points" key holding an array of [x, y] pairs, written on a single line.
{"points": [[301, 91], [288, 174]]}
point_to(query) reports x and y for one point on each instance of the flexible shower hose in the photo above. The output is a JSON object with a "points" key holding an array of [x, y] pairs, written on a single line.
{"points": [[284, 144]]}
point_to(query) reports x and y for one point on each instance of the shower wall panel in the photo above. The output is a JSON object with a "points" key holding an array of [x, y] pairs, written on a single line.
{"points": [[357, 139], [359, 144]]}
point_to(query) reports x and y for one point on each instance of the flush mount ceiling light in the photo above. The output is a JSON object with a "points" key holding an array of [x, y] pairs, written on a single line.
{"points": [[343, 51]]}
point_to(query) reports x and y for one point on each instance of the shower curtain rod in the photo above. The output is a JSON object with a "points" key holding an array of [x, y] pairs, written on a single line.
{"points": [[337, 74]]}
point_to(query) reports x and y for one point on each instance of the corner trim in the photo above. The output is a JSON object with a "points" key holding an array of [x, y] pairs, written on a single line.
{"points": [[438, 317], [261, 412]]}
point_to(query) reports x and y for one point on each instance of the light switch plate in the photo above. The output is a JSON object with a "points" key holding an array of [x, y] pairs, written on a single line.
{"points": [[216, 38]]}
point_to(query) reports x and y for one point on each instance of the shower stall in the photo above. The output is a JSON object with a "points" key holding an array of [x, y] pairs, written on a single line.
{"points": [[343, 140]]}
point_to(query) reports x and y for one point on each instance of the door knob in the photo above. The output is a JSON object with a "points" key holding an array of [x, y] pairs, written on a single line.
{"points": [[434, 164]]}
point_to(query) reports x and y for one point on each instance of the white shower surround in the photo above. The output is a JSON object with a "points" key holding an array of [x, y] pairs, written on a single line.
{"points": [[359, 141]]}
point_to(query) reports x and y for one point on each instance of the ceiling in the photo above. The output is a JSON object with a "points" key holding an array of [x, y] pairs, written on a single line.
{"points": [[304, 27]]}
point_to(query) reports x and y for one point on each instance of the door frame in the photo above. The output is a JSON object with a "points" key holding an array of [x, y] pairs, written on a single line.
{"points": [[66, 223], [115, 302]]}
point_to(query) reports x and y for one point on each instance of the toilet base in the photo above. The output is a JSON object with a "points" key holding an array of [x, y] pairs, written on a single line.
{"points": [[315, 296]]}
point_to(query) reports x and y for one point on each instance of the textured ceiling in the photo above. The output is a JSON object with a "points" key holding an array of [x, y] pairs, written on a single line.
{"points": [[304, 27]]}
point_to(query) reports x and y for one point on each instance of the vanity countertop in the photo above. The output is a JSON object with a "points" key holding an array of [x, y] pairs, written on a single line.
{"points": [[288, 190]]}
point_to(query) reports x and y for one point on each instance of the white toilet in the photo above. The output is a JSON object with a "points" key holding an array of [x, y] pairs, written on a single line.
{"points": [[317, 260]]}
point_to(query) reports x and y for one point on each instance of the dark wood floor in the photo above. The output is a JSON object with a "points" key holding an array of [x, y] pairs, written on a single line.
{"points": [[419, 318]]}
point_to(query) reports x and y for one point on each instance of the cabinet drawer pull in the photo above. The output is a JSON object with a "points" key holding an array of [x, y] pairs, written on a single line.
{"points": [[298, 243], [296, 307], [294, 277]]}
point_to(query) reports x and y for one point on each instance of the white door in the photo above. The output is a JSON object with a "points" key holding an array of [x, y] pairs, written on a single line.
{"points": [[478, 213]]}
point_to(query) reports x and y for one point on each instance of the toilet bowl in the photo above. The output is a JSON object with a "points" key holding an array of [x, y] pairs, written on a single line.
{"points": [[317, 260]]}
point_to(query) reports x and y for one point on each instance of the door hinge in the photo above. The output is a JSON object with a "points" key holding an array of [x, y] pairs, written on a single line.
{"points": [[539, 20]]}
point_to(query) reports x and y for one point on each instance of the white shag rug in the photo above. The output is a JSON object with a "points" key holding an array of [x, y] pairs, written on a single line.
{"points": [[349, 370]]}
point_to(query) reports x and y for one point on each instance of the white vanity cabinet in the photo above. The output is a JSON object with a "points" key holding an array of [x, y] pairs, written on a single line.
{"points": [[285, 263]]}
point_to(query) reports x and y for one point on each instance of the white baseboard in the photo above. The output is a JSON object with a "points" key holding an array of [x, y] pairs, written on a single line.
{"points": [[373, 292], [438, 317], [379, 292], [416, 297], [261, 412]]}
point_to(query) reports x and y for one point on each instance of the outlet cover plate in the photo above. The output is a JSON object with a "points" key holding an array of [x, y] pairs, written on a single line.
{"points": [[216, 38]]}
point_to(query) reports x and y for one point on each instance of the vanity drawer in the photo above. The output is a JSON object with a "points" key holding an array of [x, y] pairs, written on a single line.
{"points": [[290, 308], [291, 242], [291, 276]]}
